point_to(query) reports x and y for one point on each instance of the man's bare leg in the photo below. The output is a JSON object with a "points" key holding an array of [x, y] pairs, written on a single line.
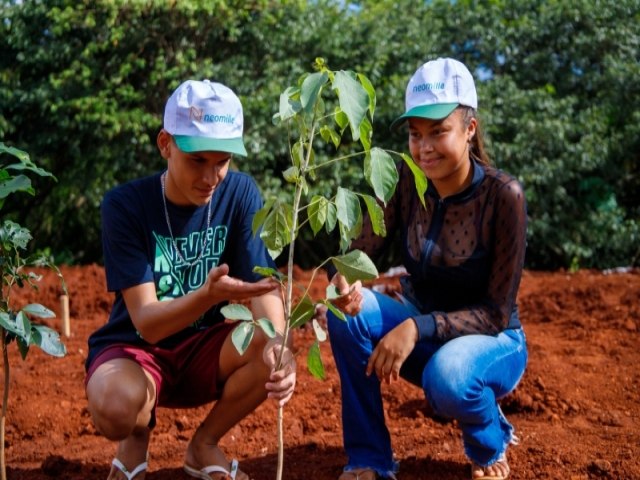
{"points": [[121, 396]]}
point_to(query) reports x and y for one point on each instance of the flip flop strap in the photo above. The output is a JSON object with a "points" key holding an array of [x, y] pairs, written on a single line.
{"points": [[130, 475], [232, 472]]}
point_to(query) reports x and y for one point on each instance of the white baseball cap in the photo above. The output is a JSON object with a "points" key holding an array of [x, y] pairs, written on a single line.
{"points": [[436, 89], [205, 116]]}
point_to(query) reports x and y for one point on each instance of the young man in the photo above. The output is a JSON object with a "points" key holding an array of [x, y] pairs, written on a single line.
{"points": [[178, 245]]}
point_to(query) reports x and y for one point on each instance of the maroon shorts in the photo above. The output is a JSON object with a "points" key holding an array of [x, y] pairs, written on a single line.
{"points": [[186, 375]]}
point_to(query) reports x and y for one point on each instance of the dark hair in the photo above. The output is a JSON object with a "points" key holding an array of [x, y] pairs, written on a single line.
{"points": [[476, 144]]}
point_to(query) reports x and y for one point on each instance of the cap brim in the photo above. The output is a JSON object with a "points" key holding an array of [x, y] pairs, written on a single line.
{"points": [[431, 112], [190, 144]]}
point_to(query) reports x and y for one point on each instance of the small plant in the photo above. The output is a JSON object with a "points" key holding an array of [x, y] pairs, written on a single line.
{"points": [[307, 115], [15, 324]]}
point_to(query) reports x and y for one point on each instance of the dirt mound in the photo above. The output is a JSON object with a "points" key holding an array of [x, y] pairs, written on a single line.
{"points": [[576, 411]]}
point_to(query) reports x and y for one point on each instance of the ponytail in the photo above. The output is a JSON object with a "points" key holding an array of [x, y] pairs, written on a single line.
{"points": [[476, 143]]}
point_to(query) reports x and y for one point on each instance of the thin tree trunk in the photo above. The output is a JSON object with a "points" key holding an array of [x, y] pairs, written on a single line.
{"points": [[5, 399]]}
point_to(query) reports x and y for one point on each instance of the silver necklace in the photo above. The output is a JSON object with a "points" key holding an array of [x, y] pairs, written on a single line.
{"points": [[205, 239]]}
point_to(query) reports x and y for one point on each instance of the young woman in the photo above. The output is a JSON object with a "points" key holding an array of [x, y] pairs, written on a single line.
{"points": [[178, 245], [454, 330]]}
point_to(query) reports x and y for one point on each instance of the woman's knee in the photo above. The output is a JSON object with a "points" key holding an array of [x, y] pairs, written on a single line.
{"points": [[448, 384]]}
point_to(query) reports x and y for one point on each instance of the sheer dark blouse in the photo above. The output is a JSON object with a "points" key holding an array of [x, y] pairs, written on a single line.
{"points": [[464, 254]]}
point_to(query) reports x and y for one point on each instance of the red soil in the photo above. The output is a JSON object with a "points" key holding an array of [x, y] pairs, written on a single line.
{"points": [[576, 411]]}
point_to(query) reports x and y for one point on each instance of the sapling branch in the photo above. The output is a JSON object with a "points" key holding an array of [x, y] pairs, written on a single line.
{"points": [[334, 160], [279, 222]]}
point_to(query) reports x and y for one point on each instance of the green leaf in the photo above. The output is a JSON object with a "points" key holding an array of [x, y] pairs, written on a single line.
{"points": [[355, 265], [348, 207], [353, 99], [366, 133], [19, 154], [236, 311], [341, 120], [289, 107], [291, 174], [314, 362], [321, 335], [419, 178], [276, 231], [269, 272], [368, 86], [332, 217], [242, 335], [25, 161], [14, 234], [267, 327], [23, 347], [348, 234], [317, 212], [8, 323], [38, 310], [336, 311], [304, 186], [297, 154], [259, 217], [376, 215], [23, 327], [48, 340], [381, 173], [20, 183], [30, 167], [310, 90], [302, 312], [331, 292], [328, 134]]}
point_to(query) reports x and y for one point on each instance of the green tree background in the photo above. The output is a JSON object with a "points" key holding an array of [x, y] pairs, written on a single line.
{"points": [[83, 85]]}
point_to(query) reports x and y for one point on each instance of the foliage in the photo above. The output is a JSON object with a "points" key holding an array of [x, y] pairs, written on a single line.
{"points": [[15, 324], [557, 87]]}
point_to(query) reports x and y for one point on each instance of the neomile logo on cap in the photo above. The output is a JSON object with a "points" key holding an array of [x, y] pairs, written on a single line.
{"points": [[205, 116], [428, 86], [436, 89], [198, 115]]}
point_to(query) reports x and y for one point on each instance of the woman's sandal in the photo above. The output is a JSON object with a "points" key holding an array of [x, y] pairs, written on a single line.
{"points": [[502, 462], [205, 473]]}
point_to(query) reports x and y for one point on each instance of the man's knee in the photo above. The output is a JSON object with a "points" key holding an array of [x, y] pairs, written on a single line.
{"points": [[112, 417], [116, 406]]}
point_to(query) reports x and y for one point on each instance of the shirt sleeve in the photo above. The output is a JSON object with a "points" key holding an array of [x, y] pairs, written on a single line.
{"points": [[248, 250], [124, 242]]}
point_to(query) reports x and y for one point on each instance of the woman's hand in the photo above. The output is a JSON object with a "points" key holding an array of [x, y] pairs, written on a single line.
{"points": [[282, 382], [350, 299], [393, 350]]}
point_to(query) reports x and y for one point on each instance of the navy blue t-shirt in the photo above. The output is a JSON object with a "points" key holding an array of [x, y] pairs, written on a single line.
{"points": [[138, 249]]}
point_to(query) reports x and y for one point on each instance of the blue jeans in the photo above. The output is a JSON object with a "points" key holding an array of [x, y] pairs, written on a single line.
{"points": [[462, 379]]}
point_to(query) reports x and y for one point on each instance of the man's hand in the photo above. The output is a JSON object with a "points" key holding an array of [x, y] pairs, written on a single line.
{"points": [[222, 287], [392, 351], [282, 382]]}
